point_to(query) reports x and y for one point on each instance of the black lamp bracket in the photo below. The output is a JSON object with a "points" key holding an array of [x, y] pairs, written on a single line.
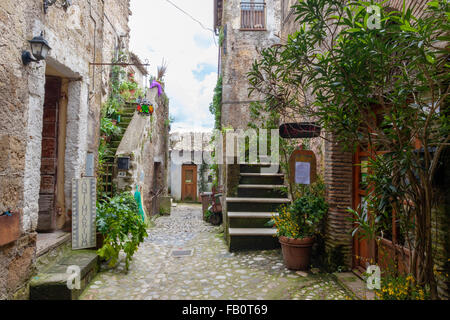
{"points": [[27, 58]]}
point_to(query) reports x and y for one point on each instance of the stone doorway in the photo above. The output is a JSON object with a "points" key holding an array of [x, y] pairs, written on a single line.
{"points": [[49, 156]]}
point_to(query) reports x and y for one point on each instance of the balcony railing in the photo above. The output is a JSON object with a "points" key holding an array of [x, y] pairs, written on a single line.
{"points": [[253, 16]]}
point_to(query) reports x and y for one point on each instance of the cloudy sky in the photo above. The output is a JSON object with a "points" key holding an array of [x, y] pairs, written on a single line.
{"points": [[159, 30]]}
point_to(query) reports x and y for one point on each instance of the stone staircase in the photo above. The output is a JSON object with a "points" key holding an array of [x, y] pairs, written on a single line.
{"points": [[125, 120], [258, 197], [51, 281]]}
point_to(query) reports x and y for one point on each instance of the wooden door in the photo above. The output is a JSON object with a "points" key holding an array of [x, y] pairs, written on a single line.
{"points": [[49, 158], [189, 183], [364, 252]]}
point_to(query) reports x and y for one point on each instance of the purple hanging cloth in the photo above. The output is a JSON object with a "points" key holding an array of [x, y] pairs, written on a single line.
{"points": [[157, 84]]}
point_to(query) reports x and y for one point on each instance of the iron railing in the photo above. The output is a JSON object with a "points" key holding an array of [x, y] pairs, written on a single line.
{"points": [[253, 16]]}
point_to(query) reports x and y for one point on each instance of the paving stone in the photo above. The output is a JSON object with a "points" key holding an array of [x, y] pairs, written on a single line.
{"points": [[155, 275]]}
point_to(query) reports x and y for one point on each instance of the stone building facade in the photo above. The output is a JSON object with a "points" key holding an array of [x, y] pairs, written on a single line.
{"points": [[191, 149], [244, 33], [49, 120], [335, 165]]}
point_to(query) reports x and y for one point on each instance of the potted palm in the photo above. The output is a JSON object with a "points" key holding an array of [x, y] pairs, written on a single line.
{"points": [[297, 225]]}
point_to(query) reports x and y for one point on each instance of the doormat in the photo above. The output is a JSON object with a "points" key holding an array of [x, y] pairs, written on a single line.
{"points": [[182, 253], [84, 195]]}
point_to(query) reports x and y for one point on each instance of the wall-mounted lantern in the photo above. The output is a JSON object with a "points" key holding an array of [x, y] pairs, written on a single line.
{"points": [[123, 163], [63, 3], [39, 50]]}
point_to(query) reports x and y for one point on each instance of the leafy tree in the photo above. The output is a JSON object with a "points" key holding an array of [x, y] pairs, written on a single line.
{"points": [[383, 88]]}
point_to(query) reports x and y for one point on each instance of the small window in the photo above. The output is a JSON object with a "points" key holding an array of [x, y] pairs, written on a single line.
{"points": [[253, 15]]}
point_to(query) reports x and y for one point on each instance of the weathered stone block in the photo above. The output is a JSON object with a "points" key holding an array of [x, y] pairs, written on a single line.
{"points": [[52, 283], [165, 205]]}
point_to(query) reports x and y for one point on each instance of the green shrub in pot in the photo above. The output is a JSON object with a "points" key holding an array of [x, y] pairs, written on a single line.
{"points": [[119, 221]]}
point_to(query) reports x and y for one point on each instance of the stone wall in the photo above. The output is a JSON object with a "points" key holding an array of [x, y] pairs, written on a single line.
{"points": [[145, 142], [77, 39]]}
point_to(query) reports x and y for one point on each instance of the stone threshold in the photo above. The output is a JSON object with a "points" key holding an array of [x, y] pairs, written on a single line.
{"points": [[47, 242], [354, 285]]}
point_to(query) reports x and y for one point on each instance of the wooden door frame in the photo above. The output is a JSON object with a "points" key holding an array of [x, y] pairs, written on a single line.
{"points": [[185, 167], [356, 201], [53, 215]]}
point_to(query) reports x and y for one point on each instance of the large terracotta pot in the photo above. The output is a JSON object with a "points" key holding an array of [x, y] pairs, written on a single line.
{"points": [[296, 252]]}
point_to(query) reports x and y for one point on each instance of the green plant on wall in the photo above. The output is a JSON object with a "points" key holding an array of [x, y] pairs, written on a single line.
{"points": [[216, 106], [202, 170]]}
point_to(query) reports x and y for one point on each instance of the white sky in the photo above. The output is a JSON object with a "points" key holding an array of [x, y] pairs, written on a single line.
{"points": [[159, 30]]}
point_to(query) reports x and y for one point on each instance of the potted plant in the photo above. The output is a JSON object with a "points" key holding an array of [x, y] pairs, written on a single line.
{"points": [[132, 87], [213, 217], [121, 227], [297, 225], [123, 87]]}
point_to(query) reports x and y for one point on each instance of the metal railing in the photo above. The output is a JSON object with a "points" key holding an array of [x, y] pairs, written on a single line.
{"points": [[253, 16]]}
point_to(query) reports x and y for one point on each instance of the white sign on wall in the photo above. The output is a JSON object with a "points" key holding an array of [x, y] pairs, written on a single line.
{"points": [[302, 173]]}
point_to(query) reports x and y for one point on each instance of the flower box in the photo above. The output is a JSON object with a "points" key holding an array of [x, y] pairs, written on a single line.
{"points": [[9, 228]]}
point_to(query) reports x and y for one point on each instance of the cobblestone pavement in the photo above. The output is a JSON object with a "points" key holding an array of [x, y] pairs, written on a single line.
{"points": [[211, 273]]}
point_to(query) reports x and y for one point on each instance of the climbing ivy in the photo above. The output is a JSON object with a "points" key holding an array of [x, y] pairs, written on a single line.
{"points": [[216, 106]]}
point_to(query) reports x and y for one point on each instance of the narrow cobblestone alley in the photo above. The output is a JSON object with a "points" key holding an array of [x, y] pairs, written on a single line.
{"points": [[211, 273]]}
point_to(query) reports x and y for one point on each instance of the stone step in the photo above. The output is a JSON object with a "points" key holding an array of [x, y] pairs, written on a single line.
{"points": [[252, 239], [115, 144], [249, 219], [251, 215], [258, 200], [51, 283], [123, 124], [265, 232], [261, 191], [253, 168], [255, 204], [262, 178]]}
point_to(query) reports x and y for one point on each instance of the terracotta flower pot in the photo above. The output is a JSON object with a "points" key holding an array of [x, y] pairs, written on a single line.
{"points": [[296, 252], [216, 219]]}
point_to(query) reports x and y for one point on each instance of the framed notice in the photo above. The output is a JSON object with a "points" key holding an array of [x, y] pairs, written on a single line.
{"points": [[84, 229], [302, 173], [303, 167]]}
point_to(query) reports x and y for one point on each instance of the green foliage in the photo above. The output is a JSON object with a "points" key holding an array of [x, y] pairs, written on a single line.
{"points": [[305, 216], [221, 36], [400, 288], [383, 89], [216, 106], [121, 224], [108, 128], [202, 170], [209, 214]]}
